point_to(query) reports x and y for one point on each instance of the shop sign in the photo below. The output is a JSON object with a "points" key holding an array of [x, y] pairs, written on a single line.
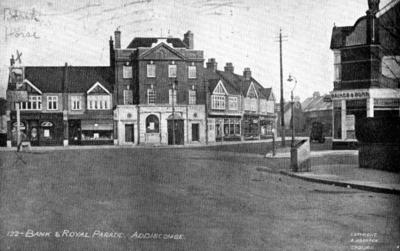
{"points": [[46, 124], [350, 95]]}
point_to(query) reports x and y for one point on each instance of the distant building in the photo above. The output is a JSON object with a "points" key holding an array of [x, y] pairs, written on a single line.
{"points": [[318, 108], [367, 72], [298, 116]]}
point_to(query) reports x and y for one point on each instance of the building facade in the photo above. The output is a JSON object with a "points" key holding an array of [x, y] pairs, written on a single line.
{"points": [[65, 105], [318, 108], [159, 91], [366, 81]]}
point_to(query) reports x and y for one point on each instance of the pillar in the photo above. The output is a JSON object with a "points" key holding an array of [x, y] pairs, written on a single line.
{"points": [[344, 129], [370, 107]]}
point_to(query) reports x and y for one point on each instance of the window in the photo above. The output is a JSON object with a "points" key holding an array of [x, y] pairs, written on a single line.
{"points": [[338, 70], [263, 105], [172, 71], [172, 96], [218, 102], [99, 102], [151, 96], [192, 71], [76, 103], [231, 127], [127, 71], [253, 104], [128, 97], [52, 103], [152, 124], [233, 103], [151, 70], [34, 103], [192, 97]]}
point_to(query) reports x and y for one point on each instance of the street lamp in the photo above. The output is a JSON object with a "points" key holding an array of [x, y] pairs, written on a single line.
{"points": [[290, 79], [174, 84]]}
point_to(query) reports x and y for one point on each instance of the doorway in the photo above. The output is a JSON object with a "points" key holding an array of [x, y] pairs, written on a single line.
{"points": [[129, 133], [177, 127], [195, 132]]}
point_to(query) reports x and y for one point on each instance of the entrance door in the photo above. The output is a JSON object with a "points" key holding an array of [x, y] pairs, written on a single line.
{"points": [[179, 132], [195, 132], [129, 136]]}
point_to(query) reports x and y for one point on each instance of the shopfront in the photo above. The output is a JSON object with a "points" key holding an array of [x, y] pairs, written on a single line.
{"points": [[266, 126], [42, 129], [97, 132], [251, 127], [353, 105], [228, 128]]}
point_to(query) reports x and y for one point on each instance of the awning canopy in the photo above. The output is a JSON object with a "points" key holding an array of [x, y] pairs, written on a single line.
{"points": [[93, 125]]}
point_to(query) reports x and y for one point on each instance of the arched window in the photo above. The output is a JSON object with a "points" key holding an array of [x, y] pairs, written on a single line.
{"points": [[152, 124]]}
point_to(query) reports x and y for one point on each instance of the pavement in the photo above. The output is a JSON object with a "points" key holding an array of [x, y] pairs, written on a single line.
{"points": [[342, 174]]}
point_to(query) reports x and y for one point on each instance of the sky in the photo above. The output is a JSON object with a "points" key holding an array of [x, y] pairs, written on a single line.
{"points": [[246, 33]]}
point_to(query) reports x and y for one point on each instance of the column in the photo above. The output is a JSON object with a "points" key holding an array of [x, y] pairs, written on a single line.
{"points": [[370, 107], [344, 129]]}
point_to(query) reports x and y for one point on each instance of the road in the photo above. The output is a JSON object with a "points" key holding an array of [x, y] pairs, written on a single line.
{"points": [[181, 199]]}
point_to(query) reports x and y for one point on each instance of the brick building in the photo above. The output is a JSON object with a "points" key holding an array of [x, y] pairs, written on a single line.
{"points": [[366, 81]]}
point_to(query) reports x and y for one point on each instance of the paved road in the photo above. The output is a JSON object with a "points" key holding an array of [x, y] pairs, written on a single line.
{"points": [[185, 199]]}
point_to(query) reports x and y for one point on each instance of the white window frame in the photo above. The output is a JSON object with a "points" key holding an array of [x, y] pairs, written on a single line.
{"points": [[98, 102], [126, 96], [172, 95], [192, 97], [52, 103], [217, 102], [192, 71], [127, 71], [233, 103], [172, 70], [76, 103], [151, 70], [337, 66], [151, 96], [33, 101]]}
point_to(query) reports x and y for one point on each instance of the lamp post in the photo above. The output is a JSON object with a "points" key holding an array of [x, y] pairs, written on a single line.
{"points": [[173, 110], [290, 79]]}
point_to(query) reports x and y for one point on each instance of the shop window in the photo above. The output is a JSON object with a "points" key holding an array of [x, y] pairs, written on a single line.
{"points": [[192, 97], [231, 127], [47, 129], [96, 135], [172, 69], [76, 103], [152, 124], [127, 71], [98, 102], [151, 70], [33, 103], [217, 102], [151, 96], [192, 71]]}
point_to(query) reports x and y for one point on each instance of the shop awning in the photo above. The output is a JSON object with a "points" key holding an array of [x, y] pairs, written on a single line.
{"points": [[90, 125]]}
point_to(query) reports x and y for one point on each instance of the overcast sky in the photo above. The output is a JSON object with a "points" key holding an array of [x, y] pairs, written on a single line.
{"points": [[242, 32]]}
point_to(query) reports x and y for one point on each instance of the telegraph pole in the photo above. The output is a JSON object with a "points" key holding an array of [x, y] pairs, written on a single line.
{"points": [[282, 99]]}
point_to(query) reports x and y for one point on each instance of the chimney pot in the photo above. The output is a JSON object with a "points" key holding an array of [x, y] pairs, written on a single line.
{"points": [[229, 67], [247, 73], [188, 39], [212, 64]]}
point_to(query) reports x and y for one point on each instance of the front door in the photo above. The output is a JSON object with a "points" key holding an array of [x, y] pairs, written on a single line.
{"points": [[175, 130], [129, 136], [195, 132]]}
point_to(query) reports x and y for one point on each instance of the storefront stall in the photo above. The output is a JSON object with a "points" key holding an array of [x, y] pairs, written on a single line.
{"points": [[94, 132]]}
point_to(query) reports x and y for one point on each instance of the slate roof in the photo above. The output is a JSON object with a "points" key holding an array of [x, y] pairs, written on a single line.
{"points": [[148, 41], [79, 78], [339, 34], [316, 104], [215, 77]]}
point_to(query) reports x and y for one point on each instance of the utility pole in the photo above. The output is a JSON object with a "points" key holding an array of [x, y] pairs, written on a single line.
{"points": [[282, 99], [206, 106]]}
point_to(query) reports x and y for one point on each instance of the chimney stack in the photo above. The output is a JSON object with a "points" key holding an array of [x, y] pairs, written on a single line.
{"points": [[247, 74], [316, 95], [12, 60], [189, 40], [117, 34], [212, 64], [229, 67], [373, 6]]}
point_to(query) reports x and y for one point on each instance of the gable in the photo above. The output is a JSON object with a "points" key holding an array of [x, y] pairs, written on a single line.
{"points": [[162, 51], [98, 89], [220, 89], [251, 92], [26, 85]]}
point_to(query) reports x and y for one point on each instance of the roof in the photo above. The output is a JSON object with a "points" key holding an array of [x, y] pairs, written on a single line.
{"points": [[79, 78], [316, 104], [215, 77], [148, 41], [339, 35]]}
